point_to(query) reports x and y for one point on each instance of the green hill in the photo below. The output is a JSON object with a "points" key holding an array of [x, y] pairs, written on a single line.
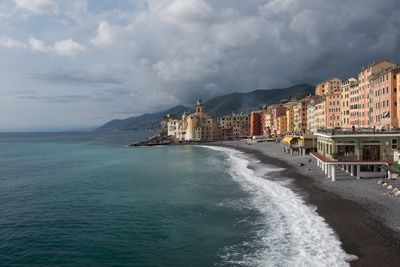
{"points": [[246, 102], [148, 121]]}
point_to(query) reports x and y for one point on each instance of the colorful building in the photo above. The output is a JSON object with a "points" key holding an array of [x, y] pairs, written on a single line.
{"points": [[346, 88], [225, 125], [332, 102], [198, 126], [398, 99], [364, 101], [240, 125], [320, 114], [265, 122], [300, 115], [290, 118], [256, 123], [383, 109], [281, 125], [332, 85]]}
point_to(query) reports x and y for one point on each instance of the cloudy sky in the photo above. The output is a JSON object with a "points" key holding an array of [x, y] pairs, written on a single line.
{"points": [[78, 63]]}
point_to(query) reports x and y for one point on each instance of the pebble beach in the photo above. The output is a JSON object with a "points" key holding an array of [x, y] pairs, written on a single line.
{"points": [[362, 213]]}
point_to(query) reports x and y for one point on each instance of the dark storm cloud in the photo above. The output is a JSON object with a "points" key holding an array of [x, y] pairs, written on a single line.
{"points": [[155, 54], [205, 48]]}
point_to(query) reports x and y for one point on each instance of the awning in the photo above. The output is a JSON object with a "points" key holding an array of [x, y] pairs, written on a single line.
{"points": [[287, 139]]}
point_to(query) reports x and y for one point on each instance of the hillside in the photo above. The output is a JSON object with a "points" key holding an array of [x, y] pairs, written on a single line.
{"points": [[218, 106], [245, 102], [148, 121]]}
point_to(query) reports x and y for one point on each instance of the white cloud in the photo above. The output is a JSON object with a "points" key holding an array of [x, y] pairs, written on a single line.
{"points": [[37, 6], [68, 48], [38, 45], [106, 34], [65, 48], [189, 15], [8, 42]]}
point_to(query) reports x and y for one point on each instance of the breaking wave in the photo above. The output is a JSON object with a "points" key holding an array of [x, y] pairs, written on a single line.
{"points": [[290, 232]]}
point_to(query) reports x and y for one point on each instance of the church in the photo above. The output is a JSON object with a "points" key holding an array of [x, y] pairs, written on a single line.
{"points": [[198, 126]]}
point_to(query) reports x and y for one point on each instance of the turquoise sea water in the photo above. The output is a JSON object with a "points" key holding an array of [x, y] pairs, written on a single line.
{"points": [[84, 199]]}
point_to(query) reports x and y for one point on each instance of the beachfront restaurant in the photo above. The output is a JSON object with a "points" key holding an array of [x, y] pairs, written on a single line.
{"points": [[359, 154], [301, 145]]}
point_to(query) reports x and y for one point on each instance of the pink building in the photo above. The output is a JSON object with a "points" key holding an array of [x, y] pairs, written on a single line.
{"points": [[333, 110], [320, 114], [361, 115]]}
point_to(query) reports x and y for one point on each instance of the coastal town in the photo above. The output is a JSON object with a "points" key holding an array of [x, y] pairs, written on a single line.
{"points": [[349, 126]]}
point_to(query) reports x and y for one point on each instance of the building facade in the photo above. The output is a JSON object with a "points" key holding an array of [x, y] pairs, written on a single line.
{"points": [[290, 118], [346, 88], [333, 110], [332, 85], [320, 114], [256, 123], [365, 92], [383, 109], [240, 125]]}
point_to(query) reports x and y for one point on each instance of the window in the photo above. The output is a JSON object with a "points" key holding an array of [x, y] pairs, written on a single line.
{"points": [[394, 143]]}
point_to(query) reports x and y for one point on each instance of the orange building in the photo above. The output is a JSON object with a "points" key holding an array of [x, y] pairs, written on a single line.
{"points": [[398, 99], [281, 125], [384, 99]]}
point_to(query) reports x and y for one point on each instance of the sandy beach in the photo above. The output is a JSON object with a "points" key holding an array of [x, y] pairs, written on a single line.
{"points": [[366, 220]]}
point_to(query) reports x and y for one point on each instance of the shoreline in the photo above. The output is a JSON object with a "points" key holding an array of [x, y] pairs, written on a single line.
{"points": [[357, 221]]}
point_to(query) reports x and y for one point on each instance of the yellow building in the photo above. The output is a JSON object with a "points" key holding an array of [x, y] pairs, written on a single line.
{"points": [[281, 125], [330, 86], [300, 115], [290, 119]]}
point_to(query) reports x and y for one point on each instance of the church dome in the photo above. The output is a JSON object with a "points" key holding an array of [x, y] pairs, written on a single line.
{"points": [[199, 102]]}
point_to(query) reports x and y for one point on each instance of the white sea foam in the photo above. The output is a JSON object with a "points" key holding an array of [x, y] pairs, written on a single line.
{"points": [[291, 232]]}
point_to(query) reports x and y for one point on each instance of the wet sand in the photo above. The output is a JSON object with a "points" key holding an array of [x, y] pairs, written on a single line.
{"points": [[365, 220]]}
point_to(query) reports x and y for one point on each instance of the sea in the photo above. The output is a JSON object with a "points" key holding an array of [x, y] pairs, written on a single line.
{"points": [[87, 199]]}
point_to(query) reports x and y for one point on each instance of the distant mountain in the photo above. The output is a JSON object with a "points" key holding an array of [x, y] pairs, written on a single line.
{"points": [[218, 106], [246, 102], [148, 121]]}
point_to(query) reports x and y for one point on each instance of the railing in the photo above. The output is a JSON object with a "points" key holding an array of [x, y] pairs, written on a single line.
{"points": [[346, 158], [357, 131]]}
